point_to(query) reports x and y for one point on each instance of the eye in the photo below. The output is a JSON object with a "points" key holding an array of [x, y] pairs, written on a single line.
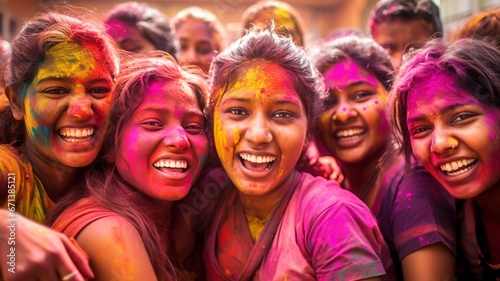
{"points": [[284, 114], [419, 131], [362, 95], [99, 92], [56, 91], [194, 128], [237, 111], [462, 117], [151, 125]]}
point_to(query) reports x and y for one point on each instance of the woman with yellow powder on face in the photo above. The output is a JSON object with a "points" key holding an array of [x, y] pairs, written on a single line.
{"points": [[59, 81], [273, 222]]}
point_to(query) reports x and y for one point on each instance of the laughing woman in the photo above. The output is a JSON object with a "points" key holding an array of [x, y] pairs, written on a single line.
{"points": [[447, 107], [274, 222], [59, 82], [153, 154]]}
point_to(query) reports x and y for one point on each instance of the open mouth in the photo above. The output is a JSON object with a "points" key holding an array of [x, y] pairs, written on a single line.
{"points": [[459, 167], [349, 134], [171, 166], [257, 163], [76, 134]]}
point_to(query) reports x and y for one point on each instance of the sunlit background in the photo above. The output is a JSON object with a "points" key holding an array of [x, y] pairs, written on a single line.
{"points": [[321, 17]]}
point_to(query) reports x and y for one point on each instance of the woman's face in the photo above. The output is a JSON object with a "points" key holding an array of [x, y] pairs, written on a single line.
{"points": [[354, 127], [260, 128], [197, 45], [455, 136], [129, 38], [164, 145], [66, 106]]}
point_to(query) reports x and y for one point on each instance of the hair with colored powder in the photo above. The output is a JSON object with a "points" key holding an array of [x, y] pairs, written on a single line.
{"points": [[105, 185], [151, 23], [386, 11], [214, 26], [35, 37], [364, 51], [483, 26], [474, 65], [275, 10], [265, 45]]}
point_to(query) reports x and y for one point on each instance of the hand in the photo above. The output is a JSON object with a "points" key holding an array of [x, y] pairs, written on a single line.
{"points": [[331, 169], [36, 252]]}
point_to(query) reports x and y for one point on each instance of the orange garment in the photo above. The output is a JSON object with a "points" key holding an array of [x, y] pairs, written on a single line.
{"points": [[29, 198]]}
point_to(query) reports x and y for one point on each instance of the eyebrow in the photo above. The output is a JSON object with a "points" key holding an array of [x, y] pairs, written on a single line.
{"points": [[447, 109], [68, 79], [248, 100], [162, 110]]}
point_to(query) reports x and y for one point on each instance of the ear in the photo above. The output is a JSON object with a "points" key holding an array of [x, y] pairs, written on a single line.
{"points": [[17, 112]]}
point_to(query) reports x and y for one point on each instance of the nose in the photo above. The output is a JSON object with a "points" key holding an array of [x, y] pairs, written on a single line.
{"points": [[190, 56], [443, 142], [80, 107], [177, 139], [344, 112], [258, 131]]}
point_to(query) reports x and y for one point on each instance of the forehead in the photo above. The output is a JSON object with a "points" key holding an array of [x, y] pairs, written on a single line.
{"points": [[68, 59], [174, 92], [263, 80], [437, 92], [120, 30], [346, 72], [415, 30], [194, 28]]}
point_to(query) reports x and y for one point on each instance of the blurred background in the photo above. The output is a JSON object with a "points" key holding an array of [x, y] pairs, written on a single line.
{"points": [[321, 17]]}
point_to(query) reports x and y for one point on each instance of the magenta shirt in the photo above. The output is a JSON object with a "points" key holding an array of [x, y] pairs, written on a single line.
{"points": [[326, 233]]}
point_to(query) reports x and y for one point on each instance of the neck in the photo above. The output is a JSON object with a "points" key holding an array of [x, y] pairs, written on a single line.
{"points": [[262, 206], [358, 175], [57, 179], [488, 203]]}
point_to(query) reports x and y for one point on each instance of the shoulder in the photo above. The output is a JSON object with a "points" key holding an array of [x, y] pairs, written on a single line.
{"points": [[115, 248]]}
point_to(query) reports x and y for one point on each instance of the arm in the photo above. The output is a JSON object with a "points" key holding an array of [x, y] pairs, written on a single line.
{"points": [[116, 250], [435, 262], [35, 252]]}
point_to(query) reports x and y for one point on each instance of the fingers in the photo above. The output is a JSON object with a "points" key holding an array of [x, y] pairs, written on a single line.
{"points": [[75, 261]]}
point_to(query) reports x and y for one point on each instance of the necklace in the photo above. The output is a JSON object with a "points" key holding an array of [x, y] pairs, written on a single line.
{"points": [[368, 186]]}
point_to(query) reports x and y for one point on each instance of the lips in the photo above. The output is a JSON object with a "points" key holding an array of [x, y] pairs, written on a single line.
{"points": [[257, 162], [76, 134], [459, 167]]}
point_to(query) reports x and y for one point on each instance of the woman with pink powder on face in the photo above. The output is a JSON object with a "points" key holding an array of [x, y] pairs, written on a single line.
{"points": [[447, 109], [414, 213], [271, 221], [154, 152]]}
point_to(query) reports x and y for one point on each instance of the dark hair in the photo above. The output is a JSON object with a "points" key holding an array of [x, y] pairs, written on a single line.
{"points": [[265, 45], [386, 11], [483, 26], [28, 49], [475, 66], [267, 7], [104, 183], [364, 51], [151, 23]]}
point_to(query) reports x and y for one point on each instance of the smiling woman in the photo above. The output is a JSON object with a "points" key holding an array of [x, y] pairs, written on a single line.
{"points": [[274, 222], [447, 108], [153, 154], [59, 82]]}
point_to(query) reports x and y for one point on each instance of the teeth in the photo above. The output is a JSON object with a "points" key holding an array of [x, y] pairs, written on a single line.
{"points": [[350, 132], [257, 159], [179, 164], [76, 133], [457, 167]]}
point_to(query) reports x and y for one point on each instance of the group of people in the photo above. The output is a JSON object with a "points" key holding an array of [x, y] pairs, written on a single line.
{"points": [[139, 148]]}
